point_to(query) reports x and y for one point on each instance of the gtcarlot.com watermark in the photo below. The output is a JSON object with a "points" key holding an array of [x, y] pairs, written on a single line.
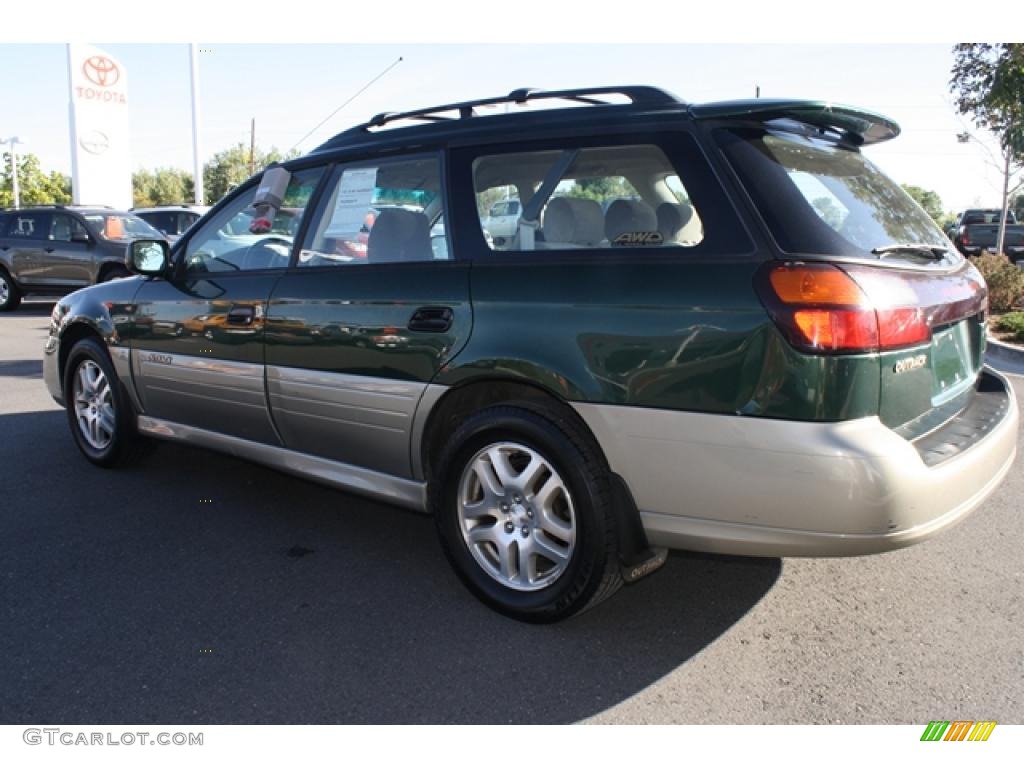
{"points": [[55, 736]]}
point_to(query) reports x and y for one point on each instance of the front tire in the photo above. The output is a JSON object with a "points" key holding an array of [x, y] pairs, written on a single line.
{"points": [[99, 412], [522, 505], [10, 296]]}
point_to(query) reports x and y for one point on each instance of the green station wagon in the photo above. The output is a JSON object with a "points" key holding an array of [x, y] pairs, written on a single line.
{"points": [[714, 327]]}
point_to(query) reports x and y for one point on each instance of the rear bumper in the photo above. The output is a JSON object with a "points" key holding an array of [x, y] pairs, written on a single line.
{"points": [[751, 486]]}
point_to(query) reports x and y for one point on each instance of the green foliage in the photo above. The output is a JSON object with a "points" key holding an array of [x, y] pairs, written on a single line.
{"points": [[230, 167], [1005, 281], [601, 188], [34, 186], [164, 186], [988, 84], [828, 211], [1012, 323], [929, 200]]}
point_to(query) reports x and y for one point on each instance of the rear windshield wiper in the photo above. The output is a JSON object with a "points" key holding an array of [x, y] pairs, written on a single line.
{"points": [[921, 249]]}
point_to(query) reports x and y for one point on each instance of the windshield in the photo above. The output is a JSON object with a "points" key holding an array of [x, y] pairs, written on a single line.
{"points": [[122, 227], [824, 198]]}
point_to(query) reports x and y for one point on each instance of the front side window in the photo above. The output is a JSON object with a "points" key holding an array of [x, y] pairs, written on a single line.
{"points": [[121, 227], [383, 213], [821, 196], [592, 197], [238, 238]]}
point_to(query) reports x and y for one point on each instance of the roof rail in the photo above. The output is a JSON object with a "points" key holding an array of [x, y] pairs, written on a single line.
{"points": [[637, 94]]}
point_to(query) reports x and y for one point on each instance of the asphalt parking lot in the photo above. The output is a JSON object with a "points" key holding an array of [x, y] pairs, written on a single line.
{"points": [[127, 598]]}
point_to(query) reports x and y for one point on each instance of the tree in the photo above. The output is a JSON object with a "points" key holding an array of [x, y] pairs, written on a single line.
{"points": [[988, 84], [34, 186], [164, 186], [230, 167], [927, 199]]}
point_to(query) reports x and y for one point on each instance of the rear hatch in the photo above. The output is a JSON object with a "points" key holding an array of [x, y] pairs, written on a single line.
{"points": [[864, 272]]}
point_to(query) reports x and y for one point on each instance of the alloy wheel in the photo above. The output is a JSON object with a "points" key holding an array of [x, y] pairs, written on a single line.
{"points": [[516, 516], [94, 405]]}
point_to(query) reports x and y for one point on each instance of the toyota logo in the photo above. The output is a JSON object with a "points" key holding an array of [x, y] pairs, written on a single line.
{"points": [[101, 71]]}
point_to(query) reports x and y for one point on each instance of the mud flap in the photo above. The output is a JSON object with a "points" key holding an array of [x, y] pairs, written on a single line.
{"points": [[636, 557]]}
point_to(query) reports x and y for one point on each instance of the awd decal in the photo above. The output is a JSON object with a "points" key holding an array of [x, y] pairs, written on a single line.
{"points": [[958, 730], [639, 238]]}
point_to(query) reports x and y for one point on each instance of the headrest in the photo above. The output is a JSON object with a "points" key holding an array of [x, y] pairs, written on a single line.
{"points": [[630, 216], [399, 235], [678, 223], [573, 220]]}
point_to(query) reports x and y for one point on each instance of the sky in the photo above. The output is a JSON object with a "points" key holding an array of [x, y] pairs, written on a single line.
{"points": [[290, 88]]}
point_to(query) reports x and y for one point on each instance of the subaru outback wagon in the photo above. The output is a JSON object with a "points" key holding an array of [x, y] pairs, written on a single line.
{"points": [[715, 327]]}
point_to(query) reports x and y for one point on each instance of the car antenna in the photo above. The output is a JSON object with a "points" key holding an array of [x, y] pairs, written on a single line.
{"points": [[348, 101]]}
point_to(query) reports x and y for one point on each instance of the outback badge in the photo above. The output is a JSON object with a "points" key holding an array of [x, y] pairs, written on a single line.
{"points": [[910, 363]]}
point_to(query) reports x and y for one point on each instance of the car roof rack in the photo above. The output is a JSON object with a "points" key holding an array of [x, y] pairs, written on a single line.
{"points": [[637, 94], [59, 206]]}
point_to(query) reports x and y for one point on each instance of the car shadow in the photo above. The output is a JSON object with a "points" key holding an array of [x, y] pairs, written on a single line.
{"points": [[38, 307], [196, 588], [29, 369]]}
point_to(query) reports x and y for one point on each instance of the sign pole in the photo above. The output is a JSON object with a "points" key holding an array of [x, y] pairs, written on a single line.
{"points": [[197, 165]]}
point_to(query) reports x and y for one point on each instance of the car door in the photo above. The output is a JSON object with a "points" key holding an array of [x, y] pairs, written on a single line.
{"points": [[355, 335], [197, 348], [23, 246], [67, 256]]}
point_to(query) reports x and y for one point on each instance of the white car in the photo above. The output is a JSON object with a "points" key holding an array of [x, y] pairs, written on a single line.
{"points": [[502, 221]]}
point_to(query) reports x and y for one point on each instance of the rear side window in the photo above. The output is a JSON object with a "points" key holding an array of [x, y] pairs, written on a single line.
{"points": [[386, 212], [28, 226], [584, 197], [822, 197]]}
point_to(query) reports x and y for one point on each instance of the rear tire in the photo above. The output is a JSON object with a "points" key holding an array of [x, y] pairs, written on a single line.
{"points": [[10, 296], [99, 412], [115, 272], [522, 505]]}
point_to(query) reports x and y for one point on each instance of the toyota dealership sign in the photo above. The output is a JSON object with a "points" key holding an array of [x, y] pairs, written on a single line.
{"points": [[100, 151]]}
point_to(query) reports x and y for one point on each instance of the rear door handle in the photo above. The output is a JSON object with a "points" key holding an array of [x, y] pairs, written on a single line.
{"points": [[241, 315], [431, 319]]}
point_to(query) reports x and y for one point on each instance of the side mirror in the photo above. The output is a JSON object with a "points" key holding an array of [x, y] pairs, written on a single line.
{"points": [[149, 257]]}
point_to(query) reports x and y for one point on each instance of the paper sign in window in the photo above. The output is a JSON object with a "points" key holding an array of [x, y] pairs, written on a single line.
{"points": [[355, 192]]}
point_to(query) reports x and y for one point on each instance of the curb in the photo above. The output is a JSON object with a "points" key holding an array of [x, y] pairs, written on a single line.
{"points": [[1005, 353]]}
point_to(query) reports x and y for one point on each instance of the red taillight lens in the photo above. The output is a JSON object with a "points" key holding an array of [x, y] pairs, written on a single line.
{"points": [[821, 308], [964, 237]]}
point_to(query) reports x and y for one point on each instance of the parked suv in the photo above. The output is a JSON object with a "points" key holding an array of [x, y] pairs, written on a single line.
{"points": [[172, 220], [760, 346], [54, 249]]}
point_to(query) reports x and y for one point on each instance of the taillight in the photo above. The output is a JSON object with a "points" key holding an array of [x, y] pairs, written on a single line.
{"points": [[821, 308], [964, 237]]}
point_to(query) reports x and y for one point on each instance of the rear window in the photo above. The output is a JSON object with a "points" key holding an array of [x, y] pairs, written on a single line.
{"points": [[821, 197]]}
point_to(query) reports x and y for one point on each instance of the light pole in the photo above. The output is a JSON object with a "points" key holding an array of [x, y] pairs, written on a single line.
{"points": [[14, 141]]}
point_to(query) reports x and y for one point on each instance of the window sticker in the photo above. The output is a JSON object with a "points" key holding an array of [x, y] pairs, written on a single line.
{"points": [[355, 193]]}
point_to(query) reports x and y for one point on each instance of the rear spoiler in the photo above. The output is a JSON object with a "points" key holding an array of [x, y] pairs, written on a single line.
{"points": [[858, 126]]}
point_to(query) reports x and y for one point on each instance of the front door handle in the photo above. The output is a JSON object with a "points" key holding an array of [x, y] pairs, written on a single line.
{"points": [[431, 319], [241, 315], [48, 250]]}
